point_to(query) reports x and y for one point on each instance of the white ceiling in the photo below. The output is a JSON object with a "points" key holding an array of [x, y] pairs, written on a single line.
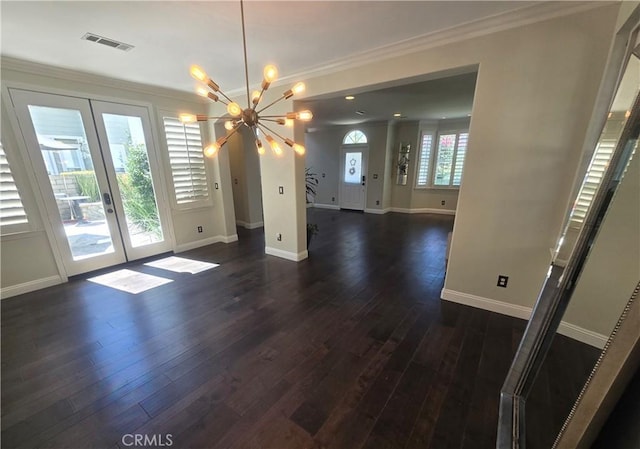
{"points": [[300, 37]]}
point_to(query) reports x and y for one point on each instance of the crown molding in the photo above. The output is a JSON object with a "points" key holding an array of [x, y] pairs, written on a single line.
{"points": [[526, 15], [36, 68]]}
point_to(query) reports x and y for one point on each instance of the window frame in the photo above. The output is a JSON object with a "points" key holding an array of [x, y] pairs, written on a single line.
{"points": [[16, 175], [353, 131], [169, 169], [433, 157]]}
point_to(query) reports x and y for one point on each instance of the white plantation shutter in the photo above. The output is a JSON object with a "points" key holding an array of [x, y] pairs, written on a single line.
{"points": [[424, 158], [187, 160], [599, 162], [460, 156], [12, 211]]}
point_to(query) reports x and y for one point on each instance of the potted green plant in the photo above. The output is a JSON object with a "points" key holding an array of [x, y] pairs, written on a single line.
{"points": [[311, 181]]}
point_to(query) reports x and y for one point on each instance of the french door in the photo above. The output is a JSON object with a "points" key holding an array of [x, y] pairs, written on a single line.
{"points": [[353, 178], [97, 170]]}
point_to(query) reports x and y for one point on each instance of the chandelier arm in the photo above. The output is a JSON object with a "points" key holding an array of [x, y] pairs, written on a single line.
{"points": [[244, 47], [272, 131], [270, 104], [271, 120], [225, 96]]}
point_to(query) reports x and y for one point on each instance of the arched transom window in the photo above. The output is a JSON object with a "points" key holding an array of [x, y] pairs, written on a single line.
{"points": [[354, 137]]}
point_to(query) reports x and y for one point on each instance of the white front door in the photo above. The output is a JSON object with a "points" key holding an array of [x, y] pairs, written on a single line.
{"points": [[353, 177], [102, 204]]}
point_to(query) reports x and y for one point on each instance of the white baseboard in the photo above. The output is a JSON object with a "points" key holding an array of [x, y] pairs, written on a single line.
{"points": [[326, 206], [378, 211], [205, 242], [423, 210], [486, 304], [244, 224], [581, 334], [286, 254], [19, 289], [567, 329]]}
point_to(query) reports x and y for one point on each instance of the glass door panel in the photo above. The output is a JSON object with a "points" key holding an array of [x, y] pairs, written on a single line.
{"points": [[65, 152], [133, 170], [129, 156]]}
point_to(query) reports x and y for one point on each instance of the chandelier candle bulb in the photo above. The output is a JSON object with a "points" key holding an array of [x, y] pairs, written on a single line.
{"points": [[211, 150], [229, 125], [277, 149], [255, 97], [299, 149], [191, 118], [234, 109], [205, 93], [270, 73]]}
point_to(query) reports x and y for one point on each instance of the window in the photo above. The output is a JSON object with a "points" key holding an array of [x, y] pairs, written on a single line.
{"points": [[186, 160], [354, 137], [600, 160], [444, 167], [422, 179], [13, 217]]}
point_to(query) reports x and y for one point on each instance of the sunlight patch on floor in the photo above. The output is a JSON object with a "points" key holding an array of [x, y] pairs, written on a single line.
{"points": [[181, 265], [130, 281]]}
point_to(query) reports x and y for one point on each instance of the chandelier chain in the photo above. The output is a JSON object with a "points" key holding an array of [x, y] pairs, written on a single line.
{"points": [[244, 47]]}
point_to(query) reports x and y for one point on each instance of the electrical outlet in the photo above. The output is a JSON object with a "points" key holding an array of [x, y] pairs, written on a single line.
{"points": [[281, 190], [502, 280], [443, 202], [199, 229], [324, 175], [235, 181], [377, 202], [333, 199], [279, 237], [216, 185]]}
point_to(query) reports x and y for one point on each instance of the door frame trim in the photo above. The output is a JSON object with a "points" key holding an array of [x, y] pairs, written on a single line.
{"points": [[39, 205]]}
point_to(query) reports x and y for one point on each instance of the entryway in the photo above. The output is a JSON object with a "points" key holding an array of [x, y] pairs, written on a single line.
{"points": [[97, 170], [353, 169]]}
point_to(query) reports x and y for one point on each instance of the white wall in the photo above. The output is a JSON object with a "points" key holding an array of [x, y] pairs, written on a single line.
{"points": [[535, 91], [217, 219]]}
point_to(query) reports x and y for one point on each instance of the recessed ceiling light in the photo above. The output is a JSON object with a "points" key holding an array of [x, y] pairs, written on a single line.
{"points": [[349, 97], [397, 114], [443, 118]]}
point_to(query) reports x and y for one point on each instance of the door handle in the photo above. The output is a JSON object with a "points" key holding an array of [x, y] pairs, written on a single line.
{"points": [[107, 199]]}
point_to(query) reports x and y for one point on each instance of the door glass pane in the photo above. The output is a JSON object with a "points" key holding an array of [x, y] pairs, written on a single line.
{"points": [[64, 148], [353, 168], [131, 162], [446, 146]]}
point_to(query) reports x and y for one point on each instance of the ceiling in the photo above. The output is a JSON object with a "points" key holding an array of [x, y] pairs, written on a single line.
{"points": [[301, 37]]}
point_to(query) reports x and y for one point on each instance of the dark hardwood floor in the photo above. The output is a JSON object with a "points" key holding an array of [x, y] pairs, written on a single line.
{"points": [[352, 348]]}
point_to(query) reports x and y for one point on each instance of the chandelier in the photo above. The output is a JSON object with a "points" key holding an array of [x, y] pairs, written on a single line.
{"points": [[251, 117]]}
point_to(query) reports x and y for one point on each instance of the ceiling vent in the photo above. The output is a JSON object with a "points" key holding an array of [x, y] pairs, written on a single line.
{"points": [[106, 41]]}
